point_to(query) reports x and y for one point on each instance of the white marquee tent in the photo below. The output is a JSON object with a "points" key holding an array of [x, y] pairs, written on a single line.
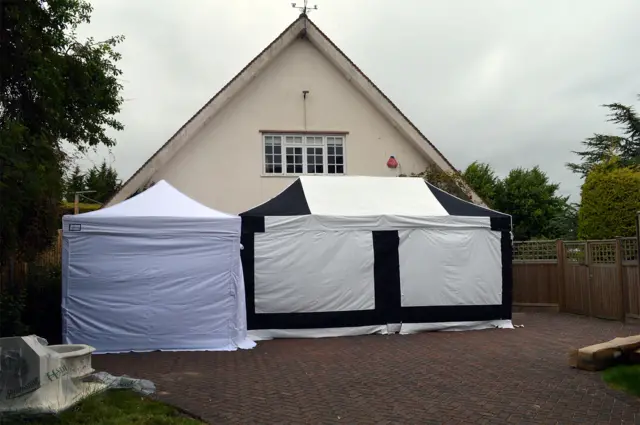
{"points": [[159, 271], [352, 255]]}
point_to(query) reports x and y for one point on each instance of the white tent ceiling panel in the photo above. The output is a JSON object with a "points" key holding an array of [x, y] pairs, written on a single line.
{"points": [[370, 196], [450, 267], [314, 272], [161, 209], [160, 200]]}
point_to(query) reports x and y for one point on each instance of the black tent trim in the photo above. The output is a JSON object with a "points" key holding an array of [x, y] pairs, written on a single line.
{"points": [[456, 206]]}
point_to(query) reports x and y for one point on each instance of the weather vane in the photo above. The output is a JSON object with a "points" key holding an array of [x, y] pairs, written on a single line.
{"points": [[305, 8]]}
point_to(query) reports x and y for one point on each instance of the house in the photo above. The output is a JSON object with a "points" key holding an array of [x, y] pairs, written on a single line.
{"points": [[300, 107]]}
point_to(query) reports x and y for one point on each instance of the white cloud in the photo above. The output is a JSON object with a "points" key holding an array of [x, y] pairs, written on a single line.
{"points": [[510, 83]]}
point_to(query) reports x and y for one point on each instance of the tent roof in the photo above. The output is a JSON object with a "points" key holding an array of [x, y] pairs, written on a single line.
{"points": [[160, 200], [367, 196]]}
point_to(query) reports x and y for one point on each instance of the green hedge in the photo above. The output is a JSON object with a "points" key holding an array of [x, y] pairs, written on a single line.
{"points": [[33, 306], [610, 201]]}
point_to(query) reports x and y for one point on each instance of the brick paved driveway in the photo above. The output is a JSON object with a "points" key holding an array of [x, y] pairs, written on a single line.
{"points": [[494, 376]]}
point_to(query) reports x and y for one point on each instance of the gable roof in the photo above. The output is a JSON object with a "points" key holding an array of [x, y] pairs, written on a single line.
{"points": [[301, 27]]}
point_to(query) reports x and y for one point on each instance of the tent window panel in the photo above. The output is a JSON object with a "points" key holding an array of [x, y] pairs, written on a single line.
{"points": [[306, 272], [299, 154], [450, 267]]}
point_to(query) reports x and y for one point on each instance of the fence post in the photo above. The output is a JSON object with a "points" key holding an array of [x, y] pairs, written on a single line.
{"points": [[620, 278], [560, 254], [587, 261]]}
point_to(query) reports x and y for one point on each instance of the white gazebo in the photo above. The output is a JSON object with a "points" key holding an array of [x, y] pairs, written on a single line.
{"points": [[158, 271]]}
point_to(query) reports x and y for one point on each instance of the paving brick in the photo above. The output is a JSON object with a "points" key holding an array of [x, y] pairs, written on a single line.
{"points": [[493, 376]]}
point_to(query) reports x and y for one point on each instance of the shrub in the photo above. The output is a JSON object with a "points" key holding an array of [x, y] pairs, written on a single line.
{"points": [[452, 183], [610, 201], [33, 305], [12, 303]]}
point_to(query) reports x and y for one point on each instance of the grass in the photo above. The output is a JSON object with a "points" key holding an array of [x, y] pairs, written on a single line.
{"points": [[113, 407], [624, 377]]}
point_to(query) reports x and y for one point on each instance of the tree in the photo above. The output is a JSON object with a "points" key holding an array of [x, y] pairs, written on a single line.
{"points": [[55, 88], [532, 201], [565, 224], [602, 148], [610, 201], [483, 180], [74, 182], [104, 180]]}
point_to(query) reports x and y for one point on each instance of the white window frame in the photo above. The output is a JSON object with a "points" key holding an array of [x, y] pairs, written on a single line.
{"points": [[304, 141]]}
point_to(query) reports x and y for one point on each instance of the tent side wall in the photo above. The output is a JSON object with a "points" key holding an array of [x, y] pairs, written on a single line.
{"points": [[152, 284], [386, 288]]}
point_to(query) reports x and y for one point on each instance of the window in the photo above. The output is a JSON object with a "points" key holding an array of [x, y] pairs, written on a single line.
{"points": [[300, 154]]}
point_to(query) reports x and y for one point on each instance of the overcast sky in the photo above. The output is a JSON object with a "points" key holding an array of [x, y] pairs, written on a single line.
{"points": [[511, 83]]}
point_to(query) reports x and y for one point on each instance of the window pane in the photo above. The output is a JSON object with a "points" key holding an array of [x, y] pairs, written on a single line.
{"points": [[303, 154]]}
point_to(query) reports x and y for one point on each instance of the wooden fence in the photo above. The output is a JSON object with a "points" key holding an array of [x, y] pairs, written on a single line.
{"points": [[593, 278]]}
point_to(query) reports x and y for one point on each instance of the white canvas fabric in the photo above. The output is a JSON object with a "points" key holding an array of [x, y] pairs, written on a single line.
{"points": [[267, 334], [450, 267], [153, 278], [411, 328], [370, 196], [310, 258], [367, 223], [314, 272], [161, 209]]}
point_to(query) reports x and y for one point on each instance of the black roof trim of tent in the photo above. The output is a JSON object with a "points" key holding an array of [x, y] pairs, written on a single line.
{"points": [[460, 207], [290, 201]]}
